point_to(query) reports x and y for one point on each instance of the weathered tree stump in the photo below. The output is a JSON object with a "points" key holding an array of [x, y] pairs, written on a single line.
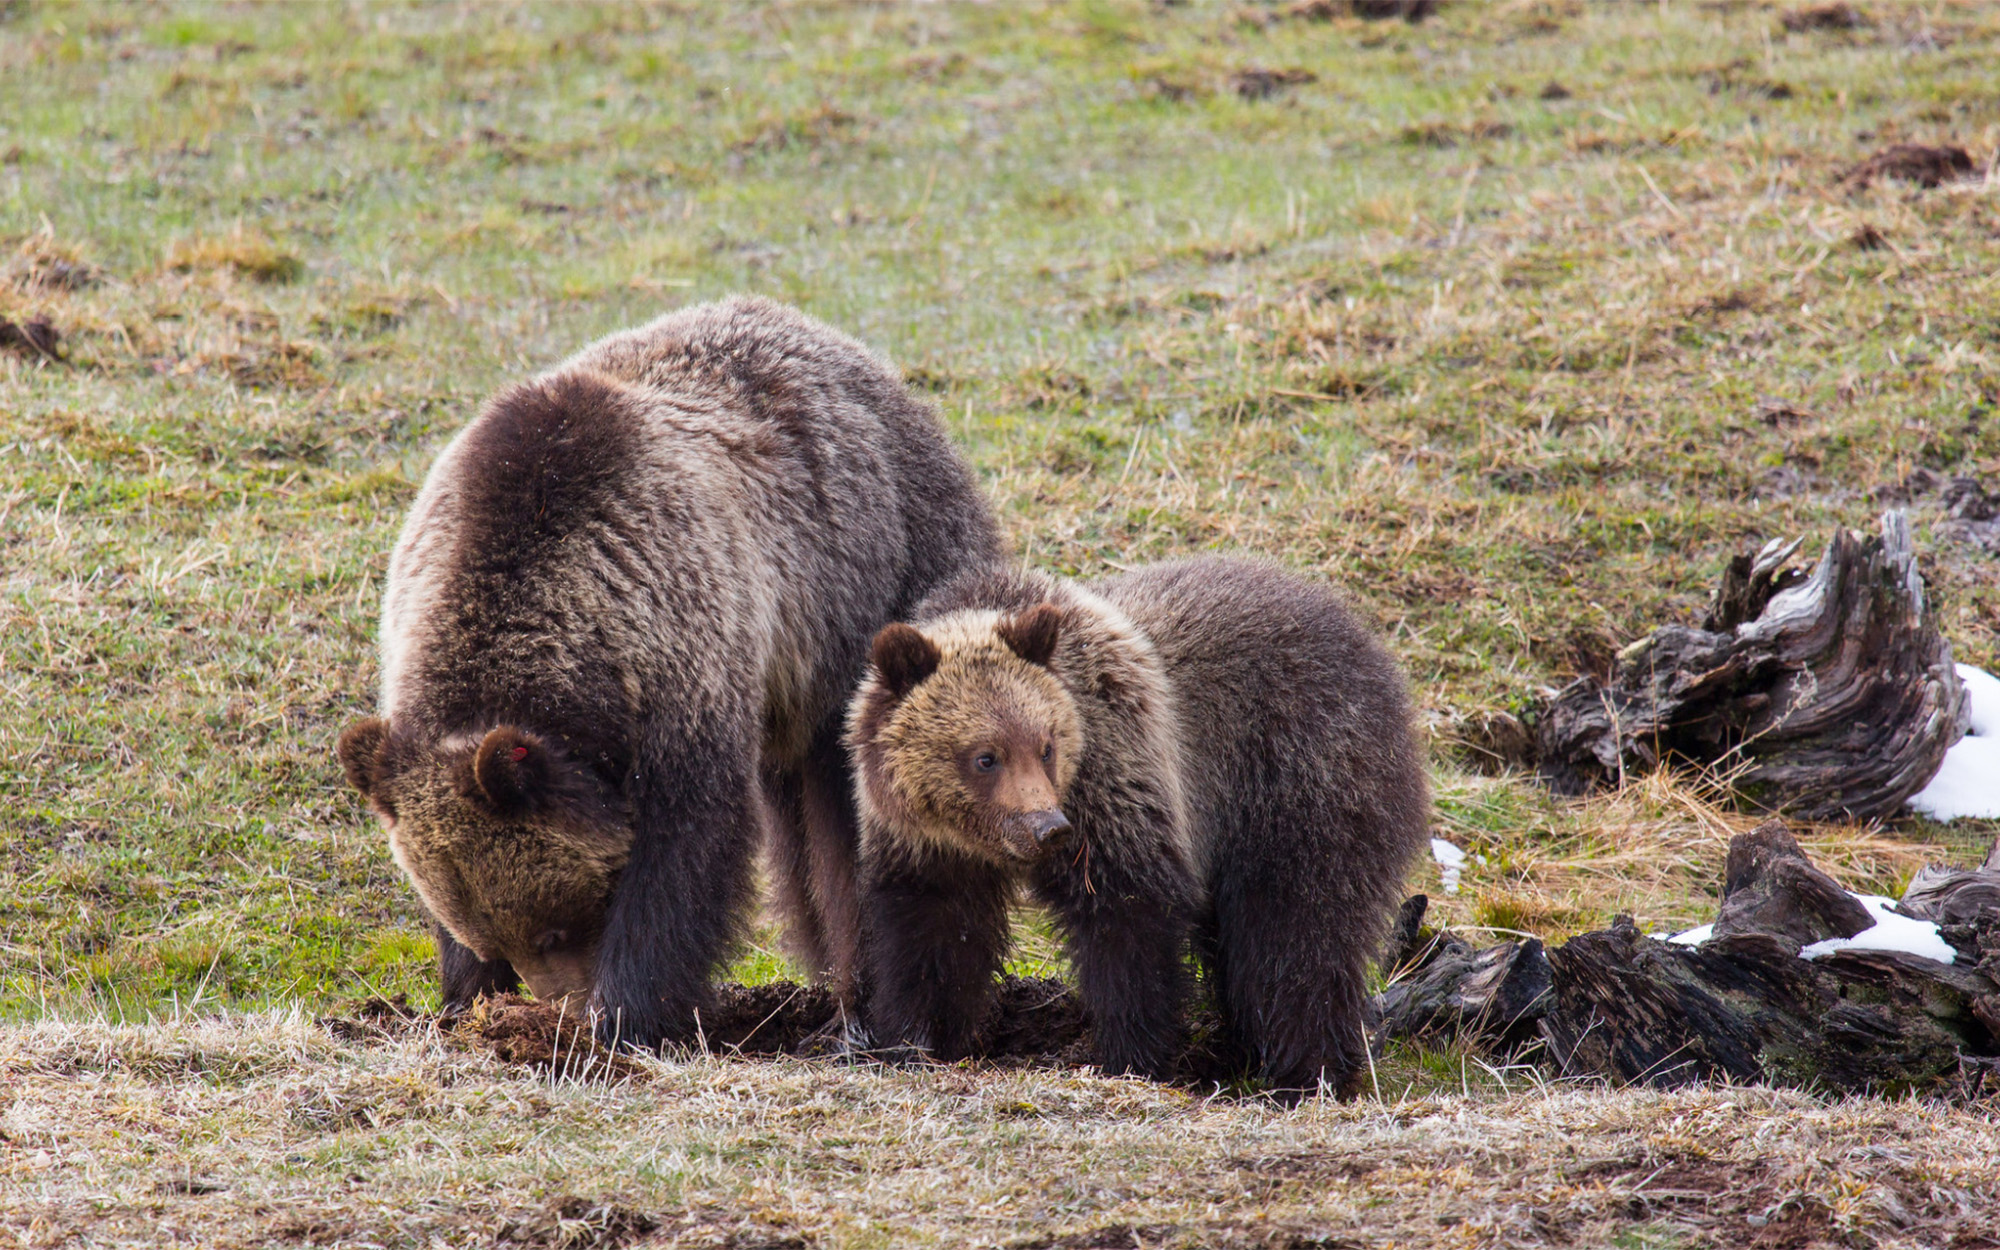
{"points": [[1829, 696], [1746, 1006], [1447, 989]]}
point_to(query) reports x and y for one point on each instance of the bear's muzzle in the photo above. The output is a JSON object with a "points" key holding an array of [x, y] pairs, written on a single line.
{"points": [[1029, 833]]}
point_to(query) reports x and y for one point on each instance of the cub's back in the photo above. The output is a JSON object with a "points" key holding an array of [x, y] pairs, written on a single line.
{"points": [[1278, 686]]}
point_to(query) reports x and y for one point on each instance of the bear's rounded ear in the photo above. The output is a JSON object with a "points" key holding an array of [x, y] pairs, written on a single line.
{"points": [[1032, 635], [903, 657], [360, 752], [512, 768]]}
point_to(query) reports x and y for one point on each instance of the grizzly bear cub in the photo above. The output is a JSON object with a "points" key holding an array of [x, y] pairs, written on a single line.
{"points": [[619, 635], [1210, 754]]}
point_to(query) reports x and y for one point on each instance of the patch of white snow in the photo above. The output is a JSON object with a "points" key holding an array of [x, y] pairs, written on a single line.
{"points": [[1451, 863], [1983, 690], [1968, 781], [1891, 933]]}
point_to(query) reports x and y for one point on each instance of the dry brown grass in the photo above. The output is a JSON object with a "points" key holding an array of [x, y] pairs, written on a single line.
{"points": [[1653, 849], [265, 1129], [246, 253]]}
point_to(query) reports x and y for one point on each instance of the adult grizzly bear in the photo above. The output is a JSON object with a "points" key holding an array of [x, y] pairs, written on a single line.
{"points": [[1210, 750], [621, 625]]}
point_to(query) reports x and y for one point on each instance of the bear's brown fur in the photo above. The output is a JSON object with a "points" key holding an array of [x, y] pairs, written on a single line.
{"points": [[1210, 753], [620, 629]]}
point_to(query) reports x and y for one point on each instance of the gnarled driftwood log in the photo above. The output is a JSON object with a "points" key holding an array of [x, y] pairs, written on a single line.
{"points": [[1829, 696], [1444, 988], [1950, 896], [1745, 1005]]}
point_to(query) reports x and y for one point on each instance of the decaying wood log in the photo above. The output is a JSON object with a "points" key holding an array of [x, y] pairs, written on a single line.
{"points": [[1769, 886], [1948, 896], [1445, 988], [1745, 1005], [1829, 696], [1409, 945]]}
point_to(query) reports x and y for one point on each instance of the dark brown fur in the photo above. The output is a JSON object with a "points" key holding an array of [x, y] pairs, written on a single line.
{"points": [[621, 624], [1240, 778]]}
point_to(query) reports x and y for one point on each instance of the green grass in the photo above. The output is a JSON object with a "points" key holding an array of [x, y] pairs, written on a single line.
{"points": [[1490, 361]]}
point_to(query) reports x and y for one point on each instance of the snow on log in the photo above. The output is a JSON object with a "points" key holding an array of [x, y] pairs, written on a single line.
{"points": [[1785, 989], [1829, 695], [1967, 784]]}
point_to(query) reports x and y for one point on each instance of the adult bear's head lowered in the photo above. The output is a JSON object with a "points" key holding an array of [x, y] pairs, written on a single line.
{"points": [[962, 735], [513, 847]]}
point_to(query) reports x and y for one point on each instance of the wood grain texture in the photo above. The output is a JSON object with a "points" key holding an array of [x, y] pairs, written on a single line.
{"points": [[1829, 695]]}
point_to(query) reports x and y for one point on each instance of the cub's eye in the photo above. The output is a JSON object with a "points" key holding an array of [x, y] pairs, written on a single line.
{"points": [[550, 941], [1048, 751], [986, 761]]}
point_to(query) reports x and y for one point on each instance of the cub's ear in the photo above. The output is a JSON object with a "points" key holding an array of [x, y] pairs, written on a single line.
{"points": [[903, 657], [1032, 634], [512, 768], [360, 751]]}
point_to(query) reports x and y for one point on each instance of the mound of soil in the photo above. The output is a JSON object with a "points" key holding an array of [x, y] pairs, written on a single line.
{"points": [[1826, 17], [34, 337], [1913, 162], [374, 1019], [542, 1036], [1256, 83]]}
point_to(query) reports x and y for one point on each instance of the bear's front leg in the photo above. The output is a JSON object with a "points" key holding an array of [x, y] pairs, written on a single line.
{"points": [[1127, 919], [697, 823], [936, 934], [464, 977]]}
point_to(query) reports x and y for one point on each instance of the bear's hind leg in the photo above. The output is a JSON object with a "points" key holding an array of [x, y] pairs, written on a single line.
{"points": [[788, 860], [1290, 982], [832, 840]]}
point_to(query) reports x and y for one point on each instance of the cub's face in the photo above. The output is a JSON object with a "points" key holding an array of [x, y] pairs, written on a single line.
{"points": [[514, 849], [964, 736]]}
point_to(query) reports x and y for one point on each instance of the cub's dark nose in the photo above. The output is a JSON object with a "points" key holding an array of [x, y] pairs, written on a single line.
{"points": [[1046, 825]]}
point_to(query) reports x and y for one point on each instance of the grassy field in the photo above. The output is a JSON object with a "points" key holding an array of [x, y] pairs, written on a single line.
{"points": [[1516, 324]]}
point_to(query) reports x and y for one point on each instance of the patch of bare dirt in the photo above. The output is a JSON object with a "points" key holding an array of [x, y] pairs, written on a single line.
{"points": [[1866, 238], [778, 1018], [377, 1019], [544, 1036], [579, 1224], [1826, 17], [1923, 165], [1035, 1022], [1255, 83], [1107, 1237], [1037, 1019], [1386, 10], [33, 337]]}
